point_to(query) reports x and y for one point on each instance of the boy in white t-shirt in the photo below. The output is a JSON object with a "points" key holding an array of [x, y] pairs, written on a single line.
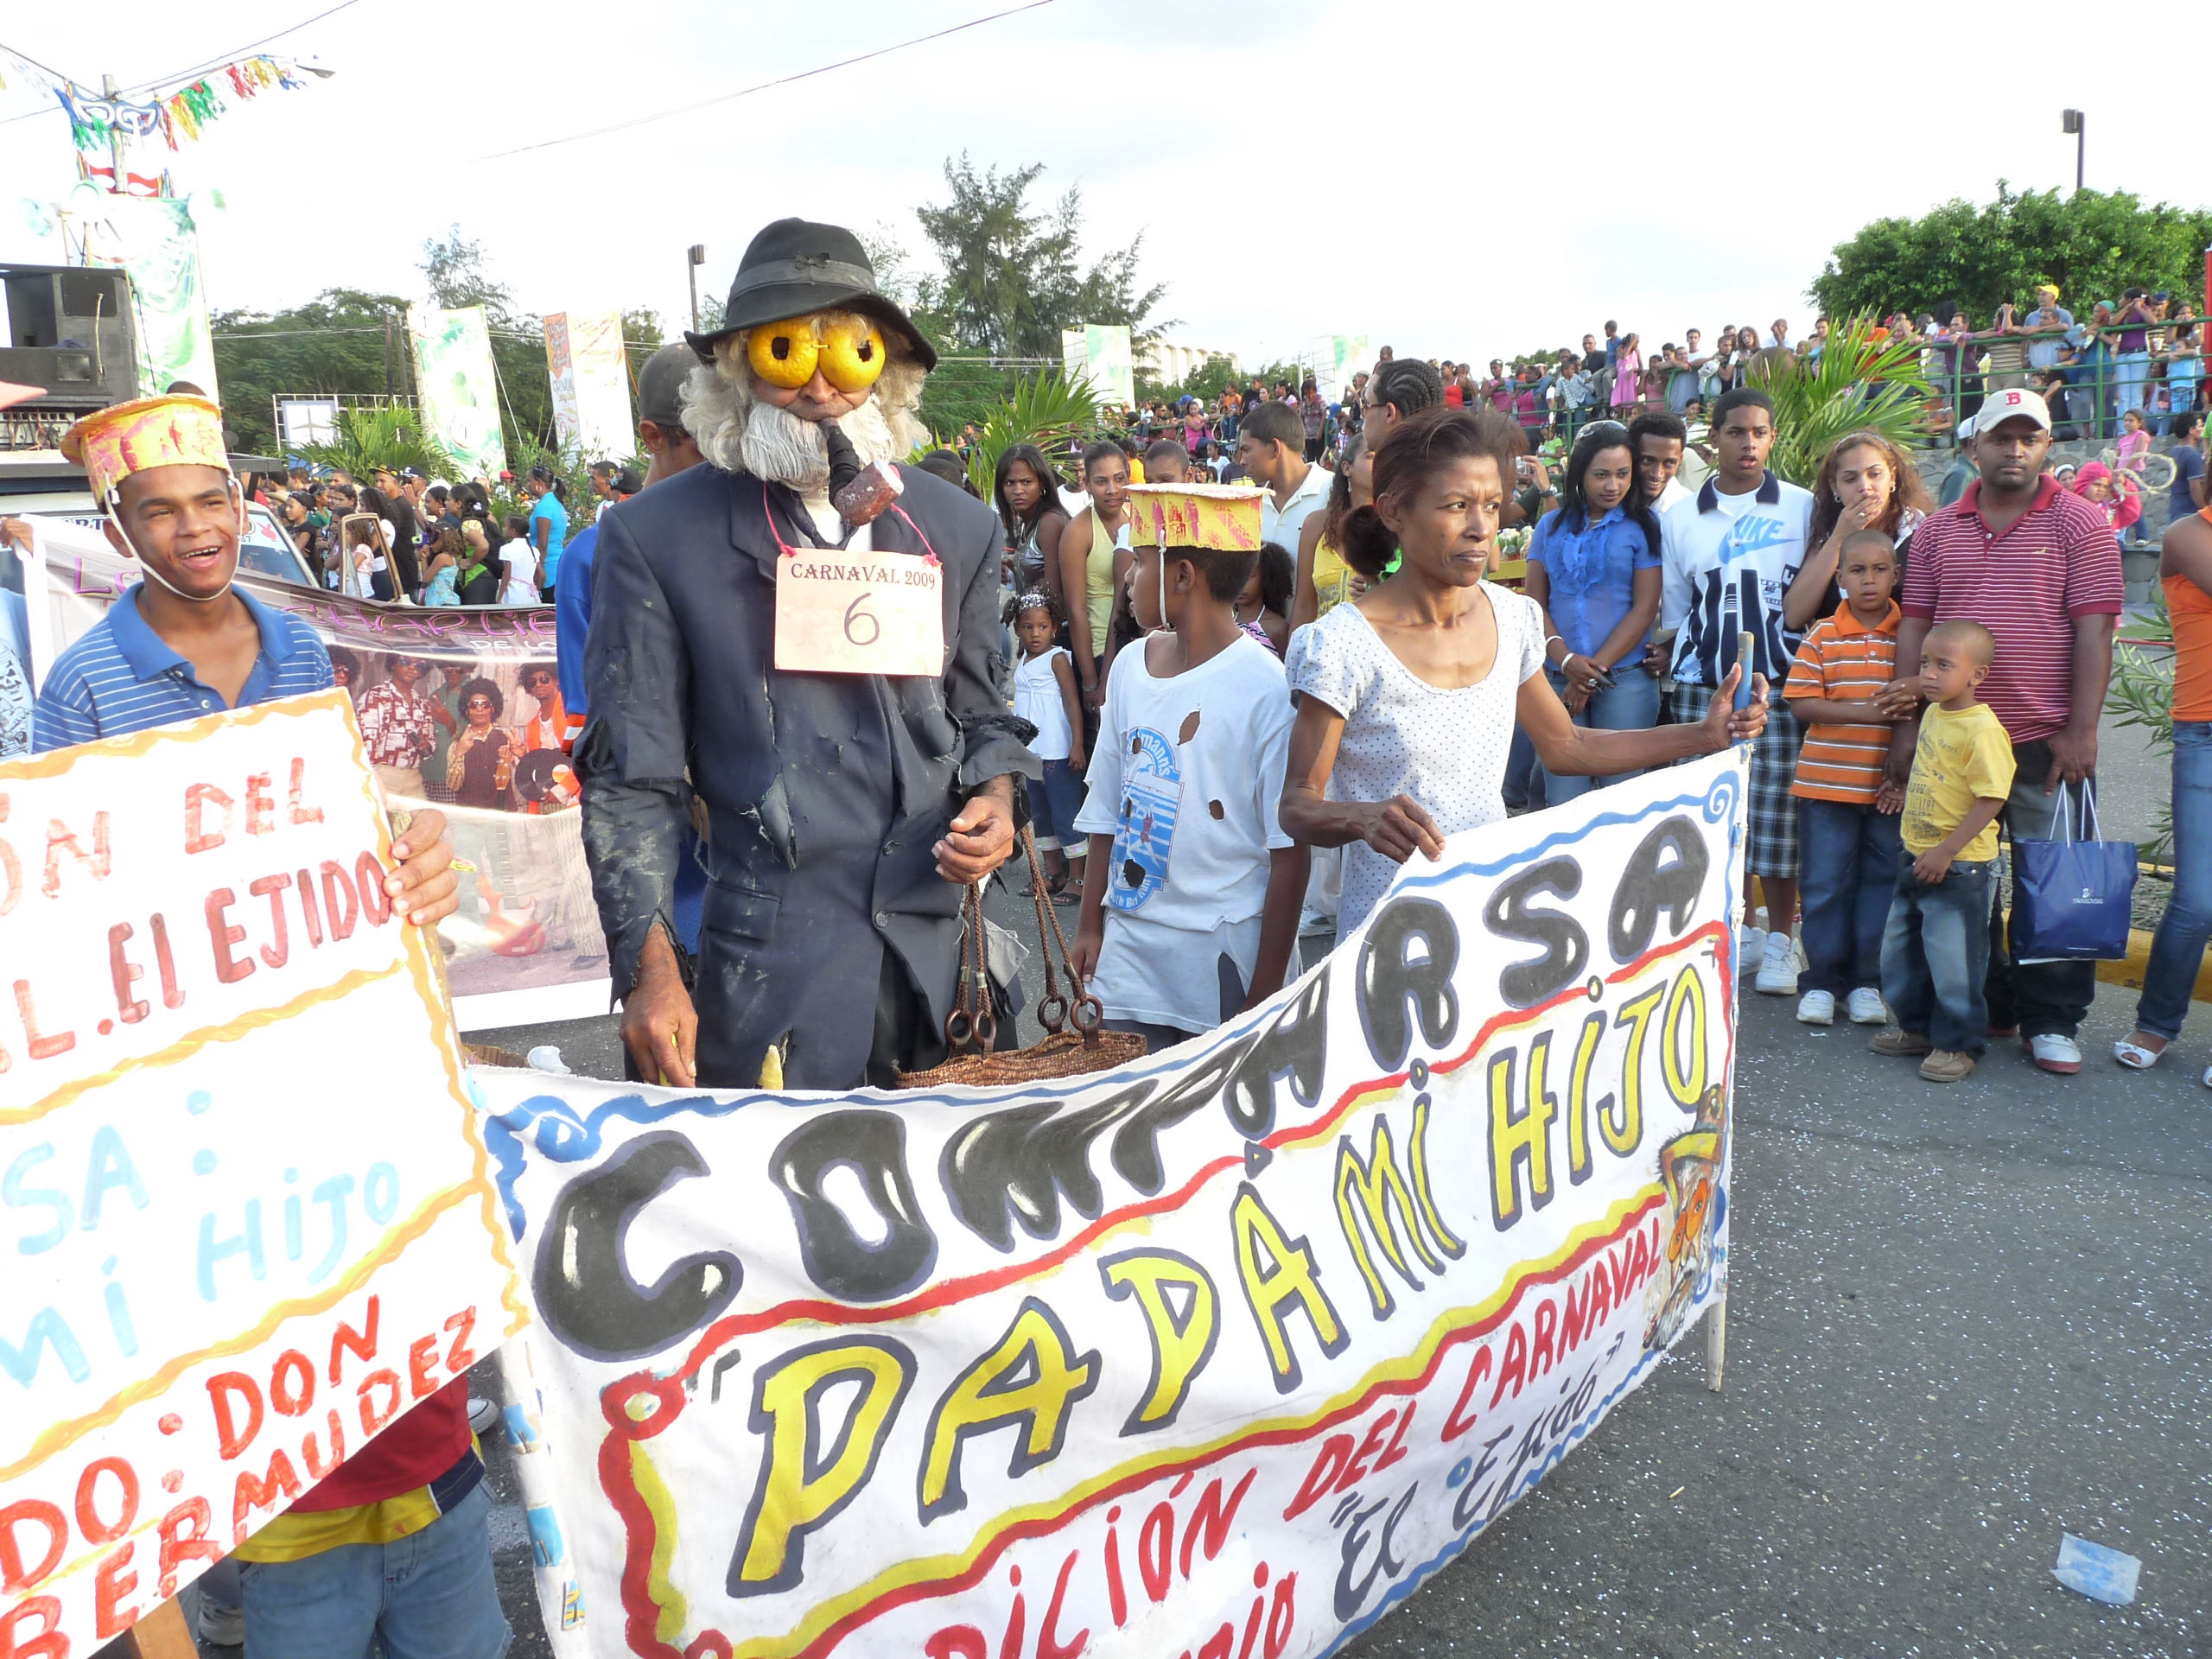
{"points": [[1189, 912]]}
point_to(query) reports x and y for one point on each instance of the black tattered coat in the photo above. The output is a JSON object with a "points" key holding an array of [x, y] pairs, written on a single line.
{"points": [[824, 793]]}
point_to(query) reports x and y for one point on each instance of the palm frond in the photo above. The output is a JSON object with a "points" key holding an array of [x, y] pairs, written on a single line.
{"points": [[1864, 381], [1046, 409], [365, 440]]}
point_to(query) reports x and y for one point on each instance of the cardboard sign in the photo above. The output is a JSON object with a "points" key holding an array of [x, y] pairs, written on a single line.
{"points": [[525, 943], [243, 1201], [845, 613], [1223, 1352]]}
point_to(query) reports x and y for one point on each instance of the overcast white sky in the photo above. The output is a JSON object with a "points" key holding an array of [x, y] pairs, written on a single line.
{"points": [[1296, 168]]}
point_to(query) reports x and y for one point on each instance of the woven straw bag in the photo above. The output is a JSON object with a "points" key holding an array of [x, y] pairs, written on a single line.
{"points": [[1073, 1044]]}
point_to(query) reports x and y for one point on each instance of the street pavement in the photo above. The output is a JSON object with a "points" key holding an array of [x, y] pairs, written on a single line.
{"points": [[1964, 1320]]}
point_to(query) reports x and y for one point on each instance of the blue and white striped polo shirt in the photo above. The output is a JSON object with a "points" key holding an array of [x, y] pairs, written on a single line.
{"points": [[121, 677]]}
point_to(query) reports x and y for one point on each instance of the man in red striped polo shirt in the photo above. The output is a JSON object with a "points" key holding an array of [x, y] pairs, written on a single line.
{"points": [[2039, 568]]}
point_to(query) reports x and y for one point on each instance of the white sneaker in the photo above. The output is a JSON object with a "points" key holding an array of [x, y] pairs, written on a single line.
{"points": [[1866, 1008], [220, 1627], [2055, 1053], [1750, 945], [1778, 967], [1816, 1008]]}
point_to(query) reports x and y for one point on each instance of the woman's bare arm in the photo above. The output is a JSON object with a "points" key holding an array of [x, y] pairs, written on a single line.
{"points": [[1578, 751], [1075, 596], [1396, 828], [1305, 599]]}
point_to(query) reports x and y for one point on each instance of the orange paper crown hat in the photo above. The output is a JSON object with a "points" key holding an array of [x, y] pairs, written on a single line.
{"points": [[1224, 517], [146, 433]]}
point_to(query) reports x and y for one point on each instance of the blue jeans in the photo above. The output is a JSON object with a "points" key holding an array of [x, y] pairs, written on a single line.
{"points": [[2178, 948], [429, 1595], [2133, 369], [1936, 952], [1846, 870], [1630, 704]]}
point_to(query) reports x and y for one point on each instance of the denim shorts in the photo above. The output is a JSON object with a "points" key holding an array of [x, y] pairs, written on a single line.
{"points": [[1053, 806], [430, 1595]]}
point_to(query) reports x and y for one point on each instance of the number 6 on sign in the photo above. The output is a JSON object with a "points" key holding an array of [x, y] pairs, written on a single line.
{"points": [[859, 612]]}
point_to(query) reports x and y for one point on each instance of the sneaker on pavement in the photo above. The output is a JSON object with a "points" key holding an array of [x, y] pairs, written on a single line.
{"points": [[1816, 1008], [2055, 1053], [1866, 1008], [1905, 1044], [1947, 1065], [1778, 967], [1750, 947], [2001, 1034], [483, 1414], [220, 1626]]}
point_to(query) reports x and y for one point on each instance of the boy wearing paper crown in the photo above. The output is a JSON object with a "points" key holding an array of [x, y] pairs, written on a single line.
{"points": [[185, 643], [1193, 912]]}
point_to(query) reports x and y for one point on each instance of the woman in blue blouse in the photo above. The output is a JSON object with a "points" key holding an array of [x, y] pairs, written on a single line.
{"points": [[1593, 568]]}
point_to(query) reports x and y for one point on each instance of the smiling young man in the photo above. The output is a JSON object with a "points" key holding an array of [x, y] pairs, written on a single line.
{"points": [[1729, 553]]}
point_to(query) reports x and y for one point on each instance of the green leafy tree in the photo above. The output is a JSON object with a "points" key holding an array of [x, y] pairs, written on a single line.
{"points": [[334, 343], [1012, 276], [2091, 244], [1209, 380]]}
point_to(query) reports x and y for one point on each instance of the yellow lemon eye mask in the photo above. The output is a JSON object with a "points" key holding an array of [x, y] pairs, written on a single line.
{"points": [[784, 353], [847, 349], [852, 354]]}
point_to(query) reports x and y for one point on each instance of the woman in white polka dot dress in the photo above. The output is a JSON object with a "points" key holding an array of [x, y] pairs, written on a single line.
{"points": [[1407, 697]]}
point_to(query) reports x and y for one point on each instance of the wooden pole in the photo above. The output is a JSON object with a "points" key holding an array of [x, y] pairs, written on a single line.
{"points": [[1716, 1342], [161, 1634]]}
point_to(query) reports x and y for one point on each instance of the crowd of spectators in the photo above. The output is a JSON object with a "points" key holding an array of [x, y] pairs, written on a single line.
{"points": [[404, 536], [2141, 353]]}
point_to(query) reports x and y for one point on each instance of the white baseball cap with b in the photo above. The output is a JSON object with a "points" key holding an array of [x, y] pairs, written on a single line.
{"points": [[2009, 404]]}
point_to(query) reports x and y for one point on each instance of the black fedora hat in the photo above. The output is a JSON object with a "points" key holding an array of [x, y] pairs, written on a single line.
{"points": [[794, 267]]}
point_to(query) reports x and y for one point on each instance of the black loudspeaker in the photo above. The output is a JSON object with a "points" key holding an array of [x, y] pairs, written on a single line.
{"points": [[69, 331]]}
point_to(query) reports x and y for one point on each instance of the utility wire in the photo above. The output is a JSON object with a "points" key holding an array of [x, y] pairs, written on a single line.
{"points": [[237, 52], [35, 64], [192, 74], [746, 92]]}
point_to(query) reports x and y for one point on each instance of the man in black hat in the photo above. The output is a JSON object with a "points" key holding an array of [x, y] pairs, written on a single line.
{"points": [[845, 806]]}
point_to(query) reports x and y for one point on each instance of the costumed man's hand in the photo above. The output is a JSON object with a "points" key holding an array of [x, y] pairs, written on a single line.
{"points": [[981, 837], [660, 1026], [424, 886]]}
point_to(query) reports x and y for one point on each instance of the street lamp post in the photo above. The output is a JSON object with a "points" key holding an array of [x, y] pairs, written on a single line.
{"points": [[698, 258], [2072, 121]]}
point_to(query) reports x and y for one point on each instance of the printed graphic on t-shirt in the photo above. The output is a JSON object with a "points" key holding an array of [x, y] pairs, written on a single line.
{"points": [[1152, 789]]}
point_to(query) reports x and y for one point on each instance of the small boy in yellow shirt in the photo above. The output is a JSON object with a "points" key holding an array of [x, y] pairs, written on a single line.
{"points": [[1936, 950]]}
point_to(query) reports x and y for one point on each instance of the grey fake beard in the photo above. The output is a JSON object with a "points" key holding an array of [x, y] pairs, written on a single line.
{"points": [[745, 435]]}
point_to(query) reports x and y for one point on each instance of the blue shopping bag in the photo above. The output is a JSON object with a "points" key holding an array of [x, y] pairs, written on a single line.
{"points": [[2072, 895]]}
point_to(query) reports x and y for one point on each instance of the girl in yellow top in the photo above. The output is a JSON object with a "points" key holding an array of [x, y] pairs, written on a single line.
{"points": [[1094, 554], [1325, 580]]}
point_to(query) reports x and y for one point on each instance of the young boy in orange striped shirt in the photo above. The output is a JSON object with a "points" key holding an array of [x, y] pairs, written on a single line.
{"points": [[1842, 688]]}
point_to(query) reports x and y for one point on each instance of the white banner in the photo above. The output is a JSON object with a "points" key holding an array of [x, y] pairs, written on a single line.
{"points": [[457, 386], [246, 1213], [1098, 354], [1220, 1353], [591, 383]]}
